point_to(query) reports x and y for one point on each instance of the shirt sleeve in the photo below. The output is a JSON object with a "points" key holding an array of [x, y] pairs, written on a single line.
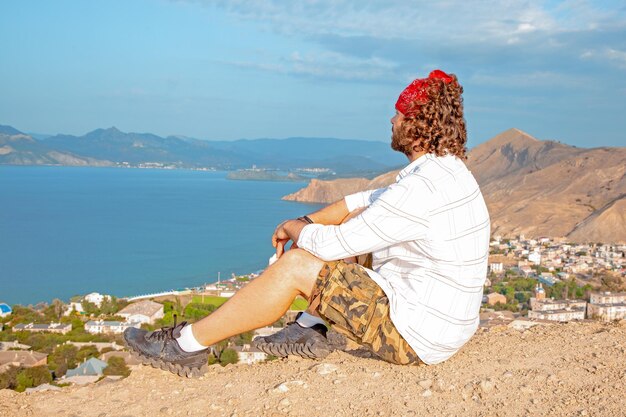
{"points": [[399, 214], [363, 198]]}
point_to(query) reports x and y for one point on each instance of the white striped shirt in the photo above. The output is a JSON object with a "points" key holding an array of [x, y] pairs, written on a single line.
{"points": [[429, 237]]}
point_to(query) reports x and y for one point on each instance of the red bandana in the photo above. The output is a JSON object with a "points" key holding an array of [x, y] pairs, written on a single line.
{"points": [[416, 91]]}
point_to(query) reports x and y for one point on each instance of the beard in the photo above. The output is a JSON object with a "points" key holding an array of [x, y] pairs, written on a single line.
{"points": [[396, 142]]}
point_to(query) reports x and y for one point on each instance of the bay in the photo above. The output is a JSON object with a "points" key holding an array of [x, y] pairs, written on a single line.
{"points": [[73, 230]]}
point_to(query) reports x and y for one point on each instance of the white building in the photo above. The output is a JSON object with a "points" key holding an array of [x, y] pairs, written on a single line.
{"points": [[542, 308], [535, 257], [496, 267], [73, 307], [267, 331], [110, 327], [227, 293], [607, 297], [250, 355], [607, 306], [96, 298], [40, 327], [566, 314], [548, 304], [526, 270], [143, 312]]}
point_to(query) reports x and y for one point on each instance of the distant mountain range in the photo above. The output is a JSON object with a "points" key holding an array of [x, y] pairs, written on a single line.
{"points": [[111, 147], [532, 187]]}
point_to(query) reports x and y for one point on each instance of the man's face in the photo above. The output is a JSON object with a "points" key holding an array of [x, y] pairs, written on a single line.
{"points": [[396, 122]]}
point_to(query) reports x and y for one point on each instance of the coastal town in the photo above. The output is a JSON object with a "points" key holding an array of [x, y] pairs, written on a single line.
{"points": [[534, 281], [530, 282]]}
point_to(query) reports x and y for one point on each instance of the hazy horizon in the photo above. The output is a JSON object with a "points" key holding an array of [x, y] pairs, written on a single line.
{"points": [[48, 134]]}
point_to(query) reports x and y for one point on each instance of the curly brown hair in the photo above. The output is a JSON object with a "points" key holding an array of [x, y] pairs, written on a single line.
{"points": [[436, 126]]}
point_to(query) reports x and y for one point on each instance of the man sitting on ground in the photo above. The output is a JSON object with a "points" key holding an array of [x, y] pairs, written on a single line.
{"points": [[428, 236]]}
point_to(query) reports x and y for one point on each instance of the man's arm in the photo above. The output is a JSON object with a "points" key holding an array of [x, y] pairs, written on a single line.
{"points": [[290, 229], [337, 212], [333, 214], [400, 214]]}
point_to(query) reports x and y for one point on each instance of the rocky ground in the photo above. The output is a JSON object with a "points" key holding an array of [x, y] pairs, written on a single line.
{"points": [[574, 369]]}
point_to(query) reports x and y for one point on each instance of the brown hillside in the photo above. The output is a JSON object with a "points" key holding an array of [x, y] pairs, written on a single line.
{"points": [[514, 152], [537, 188], [608, 223], [574, 369], [327, 191]]}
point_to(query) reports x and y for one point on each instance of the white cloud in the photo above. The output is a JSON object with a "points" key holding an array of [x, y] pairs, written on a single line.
{"points": [[390, 40], [327, 64], [615, 56], [487, 20]]}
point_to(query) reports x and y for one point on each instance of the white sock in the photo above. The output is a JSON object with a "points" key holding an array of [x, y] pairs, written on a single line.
{"points": [[187, 340], [309, 320]]}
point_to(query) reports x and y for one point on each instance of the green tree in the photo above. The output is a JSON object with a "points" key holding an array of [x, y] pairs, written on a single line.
{"points": [[42, 342], [58, 307], [524, 284], [522, 297], [23, 314], [509, 292], [33, 377], [244, 338], [54, 311], [62, 359], [228, 356], [178, 305], [90, 308], [197, 311], [116, 366], [86, 352], [112, 305], [508, 306], [8, 379]]}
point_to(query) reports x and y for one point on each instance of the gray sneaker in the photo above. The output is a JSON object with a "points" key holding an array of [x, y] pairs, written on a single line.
{"points": [[306, 342], [160, 349]]}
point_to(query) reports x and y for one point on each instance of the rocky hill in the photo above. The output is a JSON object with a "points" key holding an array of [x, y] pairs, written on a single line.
{"points": [[17, 148], [574, 369], [532, 187]]}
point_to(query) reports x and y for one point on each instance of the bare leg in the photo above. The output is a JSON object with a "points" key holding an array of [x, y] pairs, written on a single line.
{"points": [[264, 300]]}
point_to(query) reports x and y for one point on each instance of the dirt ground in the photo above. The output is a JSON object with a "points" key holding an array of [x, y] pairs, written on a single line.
{"points": [[576, 369]]}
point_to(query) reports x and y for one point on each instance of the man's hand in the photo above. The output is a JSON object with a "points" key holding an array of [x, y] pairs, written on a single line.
{"points": [[280, 238], [286, 231]]}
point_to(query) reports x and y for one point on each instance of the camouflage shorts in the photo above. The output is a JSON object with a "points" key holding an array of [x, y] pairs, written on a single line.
{"points": [[355, 306]]}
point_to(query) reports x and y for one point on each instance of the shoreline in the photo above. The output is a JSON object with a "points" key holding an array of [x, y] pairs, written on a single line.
{"points": [[137, 297]]}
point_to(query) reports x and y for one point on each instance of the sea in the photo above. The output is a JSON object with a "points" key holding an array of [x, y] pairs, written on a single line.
{"points": [[68, 231]]}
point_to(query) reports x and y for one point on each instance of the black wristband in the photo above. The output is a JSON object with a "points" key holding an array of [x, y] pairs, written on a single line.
{"points": [[306, 219]]}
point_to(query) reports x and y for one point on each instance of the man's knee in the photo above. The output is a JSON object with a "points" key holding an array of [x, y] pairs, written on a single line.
{"points": [[301, 267], [301, 259]]}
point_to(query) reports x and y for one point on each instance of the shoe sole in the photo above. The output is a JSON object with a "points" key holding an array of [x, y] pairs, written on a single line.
{"points": [[282, 350], [178, 369]]}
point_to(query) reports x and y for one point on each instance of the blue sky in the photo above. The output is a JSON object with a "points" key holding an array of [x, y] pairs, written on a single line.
{"points": [[248, 69]]}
